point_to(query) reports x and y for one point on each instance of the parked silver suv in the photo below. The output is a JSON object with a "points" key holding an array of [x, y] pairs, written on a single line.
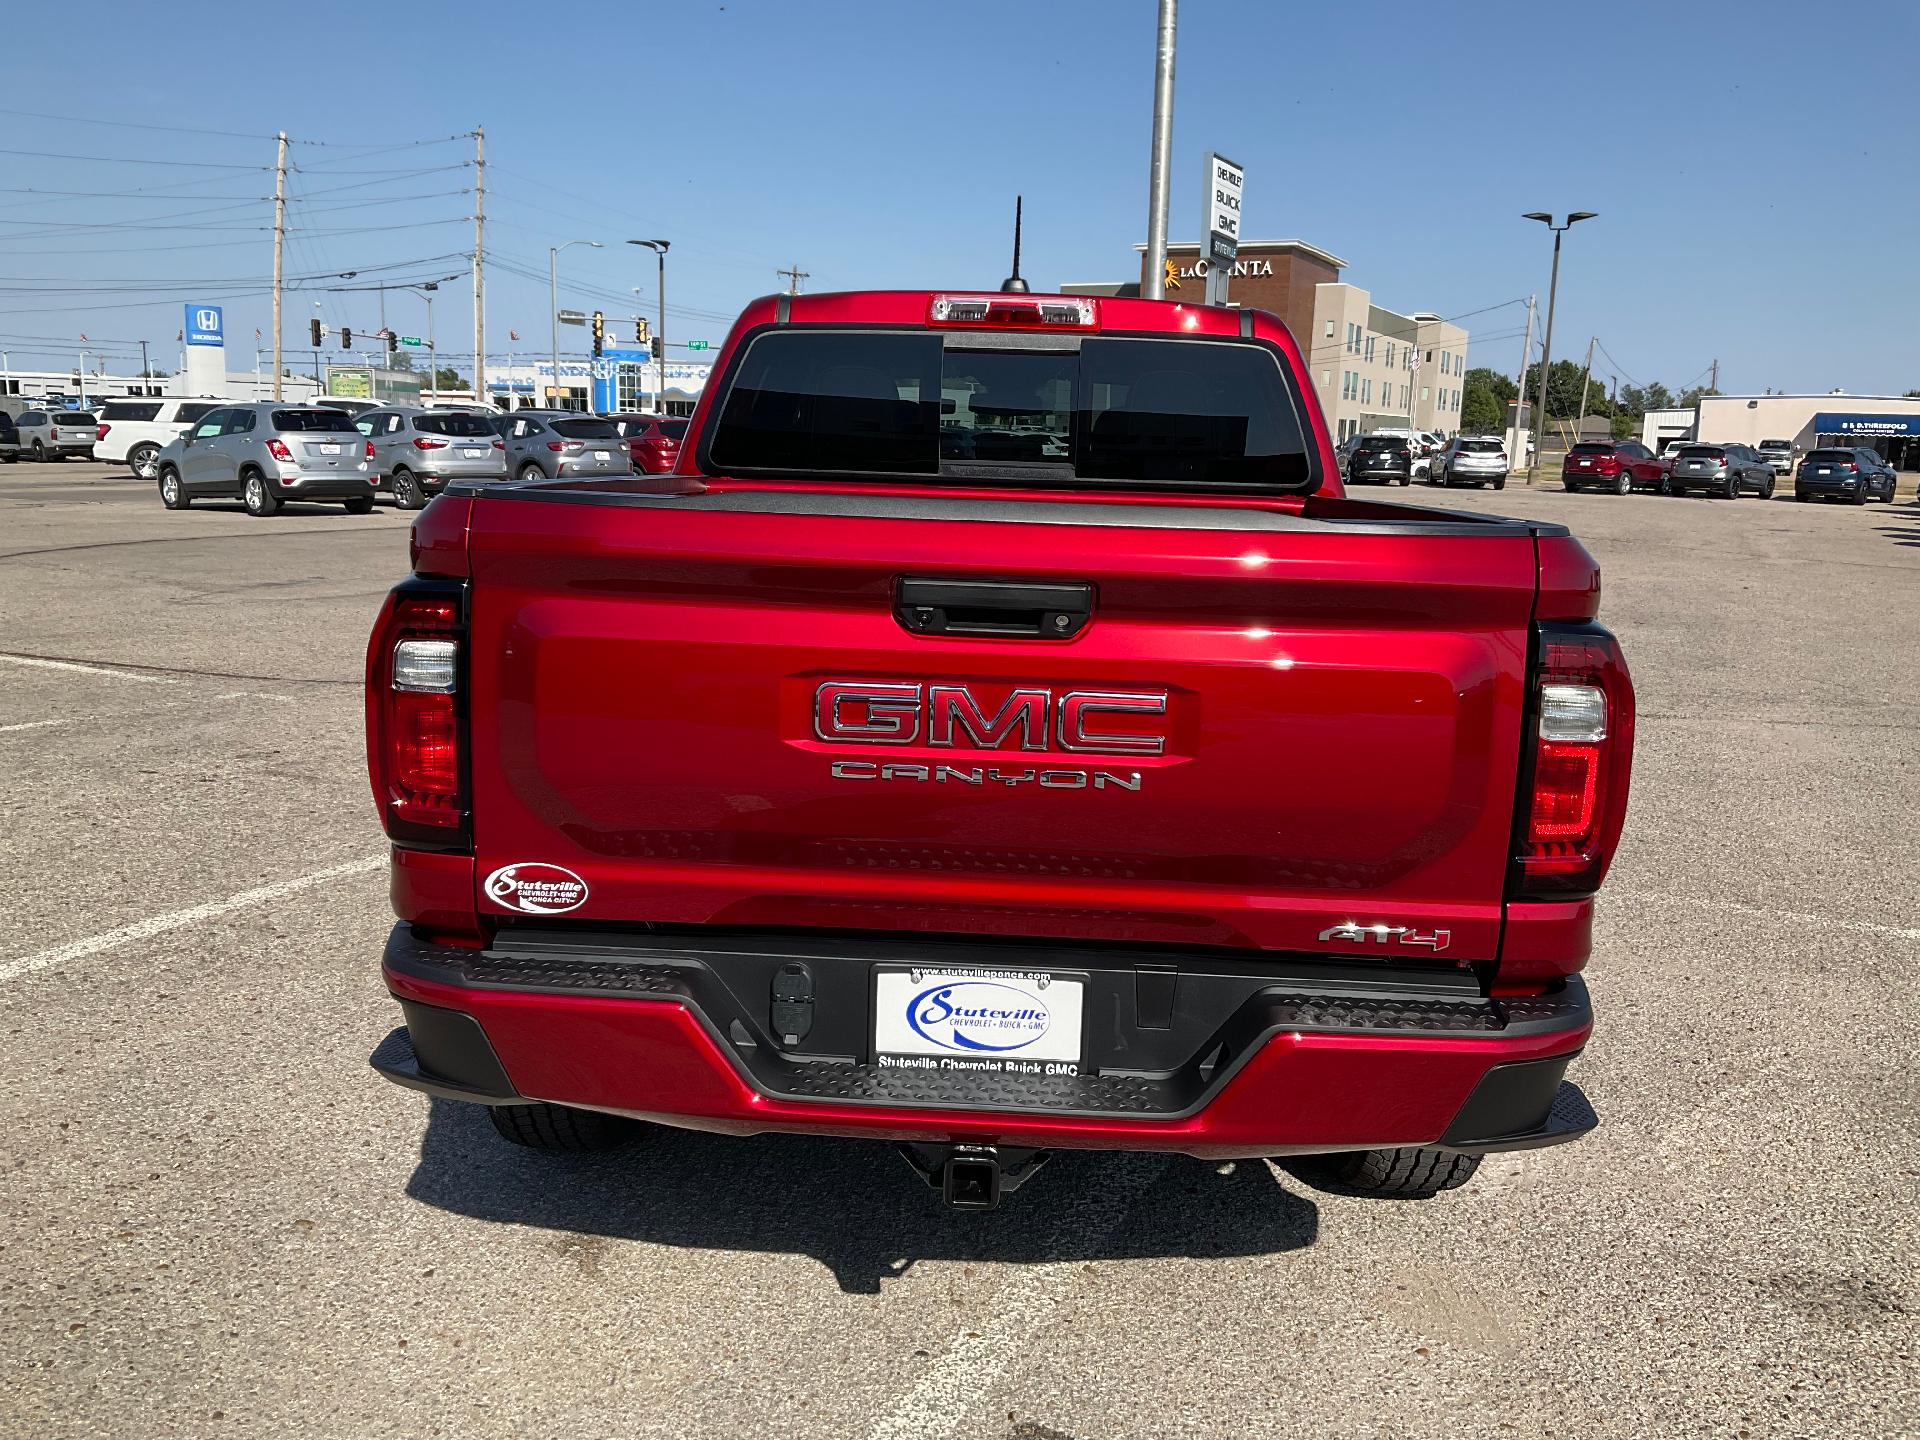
{"points": [[549, 444], [57, 434], [416, 452], [1470, 460], [268, 454]]}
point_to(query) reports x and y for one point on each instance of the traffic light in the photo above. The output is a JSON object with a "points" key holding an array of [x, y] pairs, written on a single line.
{"points": [[599, 333], [346, 338], [639, 330], [313, 330], [659, 348], [393, 344]]}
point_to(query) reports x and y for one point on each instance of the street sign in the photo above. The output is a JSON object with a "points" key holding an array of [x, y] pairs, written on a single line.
{"points": [[410, 340], [573, 317], [698, 345], [1220, 231]]}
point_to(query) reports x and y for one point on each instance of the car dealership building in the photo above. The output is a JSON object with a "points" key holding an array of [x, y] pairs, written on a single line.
{"points": [[1889, 424]]}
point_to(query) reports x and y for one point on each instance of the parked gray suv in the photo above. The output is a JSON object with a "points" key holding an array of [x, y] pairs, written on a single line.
{"points": [[549, 444], [266, 455], [57, 434], [416, 452]]}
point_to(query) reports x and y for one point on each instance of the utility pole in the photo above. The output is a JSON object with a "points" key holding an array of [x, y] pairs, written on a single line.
{"points": [[479, 263], [1586, 378], [1159, 167], [433, 351], [279, 252], [1520, 404], [794, 276], [1714, 383], [660, 248], [144, 367]]}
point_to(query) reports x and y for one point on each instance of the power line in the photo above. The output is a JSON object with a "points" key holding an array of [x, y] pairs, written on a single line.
{"points": [[133, 160], [136, 125]]}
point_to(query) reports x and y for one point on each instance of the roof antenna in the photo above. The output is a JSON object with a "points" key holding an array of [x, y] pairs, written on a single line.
{"points": [[1013, 282]]}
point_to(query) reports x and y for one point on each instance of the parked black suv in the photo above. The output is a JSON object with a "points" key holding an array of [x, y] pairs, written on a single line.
{"points": [[1387, 459], [1844, 474], [9, 439]]}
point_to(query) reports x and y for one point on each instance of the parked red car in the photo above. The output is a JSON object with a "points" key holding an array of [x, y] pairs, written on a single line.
{"points": [[1620, 466], [652, 440]]}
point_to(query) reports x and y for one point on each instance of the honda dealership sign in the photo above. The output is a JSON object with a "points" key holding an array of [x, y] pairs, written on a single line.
{"points": [[204, 325]]}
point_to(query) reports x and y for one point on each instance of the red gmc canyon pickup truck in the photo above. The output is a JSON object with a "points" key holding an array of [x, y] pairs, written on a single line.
{"points": [[999, 733]]}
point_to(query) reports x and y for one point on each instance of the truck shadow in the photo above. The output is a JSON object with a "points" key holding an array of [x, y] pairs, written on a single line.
{"points": [[854, 1206]]}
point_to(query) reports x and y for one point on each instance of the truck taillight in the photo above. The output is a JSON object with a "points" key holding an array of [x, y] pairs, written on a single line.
{"points": [[416, 715], [1574, 807], [1014, 312]]}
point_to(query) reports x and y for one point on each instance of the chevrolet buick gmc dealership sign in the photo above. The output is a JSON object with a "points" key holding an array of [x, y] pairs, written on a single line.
{"points": [[204, 325]]}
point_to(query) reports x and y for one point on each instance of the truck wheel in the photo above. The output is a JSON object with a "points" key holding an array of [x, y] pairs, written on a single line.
{"points": [[559, 1130], [1415, 1173], [1501, 483], [141, 460]]}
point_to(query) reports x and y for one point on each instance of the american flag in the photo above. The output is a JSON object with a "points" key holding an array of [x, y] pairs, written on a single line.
{"points": [[513, 334], [84, 340]]}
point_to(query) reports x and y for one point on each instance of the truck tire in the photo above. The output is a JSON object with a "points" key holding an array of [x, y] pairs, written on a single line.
{"points": [[1415, 1173], [559, 1130]]}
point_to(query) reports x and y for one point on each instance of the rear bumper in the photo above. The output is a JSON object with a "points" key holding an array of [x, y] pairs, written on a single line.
{"points": [[1850, 486], [323, 487], [1226, 1059]]}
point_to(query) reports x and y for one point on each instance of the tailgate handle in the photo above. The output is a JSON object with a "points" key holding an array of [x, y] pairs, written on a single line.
{"points": [[1001, 608]]}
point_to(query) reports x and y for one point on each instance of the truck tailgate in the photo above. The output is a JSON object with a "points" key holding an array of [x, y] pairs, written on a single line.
{"points": [[706, 709]]}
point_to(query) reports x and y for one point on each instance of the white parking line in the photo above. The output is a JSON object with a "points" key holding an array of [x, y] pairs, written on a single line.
{"points": [[174, 919], [87, 669], [953, 1386], [1801, 917], [30, 725]]}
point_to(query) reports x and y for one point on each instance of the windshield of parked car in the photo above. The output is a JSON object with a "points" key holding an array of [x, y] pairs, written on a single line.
{"points": [[453, 425], [74, 417], [325, 421], [130, 410], [1703, 452]]}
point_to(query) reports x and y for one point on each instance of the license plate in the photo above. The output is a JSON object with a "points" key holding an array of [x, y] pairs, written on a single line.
{"points": [[603, 455], [1586, 464], [996, 1022], [1822, 473], [329, 449], [473, 454]]}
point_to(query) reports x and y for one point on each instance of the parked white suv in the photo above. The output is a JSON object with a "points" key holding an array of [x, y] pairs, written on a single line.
{"points": [[133, 430]]}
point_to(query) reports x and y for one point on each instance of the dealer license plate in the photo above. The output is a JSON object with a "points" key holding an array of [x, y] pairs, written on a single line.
{"points": [[473, 454], [603, 455], [330, 449], [996, 1022]]}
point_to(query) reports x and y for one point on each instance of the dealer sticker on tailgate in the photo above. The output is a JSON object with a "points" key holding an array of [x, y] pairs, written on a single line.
{"points": [[1005, 1022]]}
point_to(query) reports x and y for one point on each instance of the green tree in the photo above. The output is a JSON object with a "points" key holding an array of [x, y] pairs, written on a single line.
{"points": [[447, 378], [1692, 397], [1563, 390], [1624, 426], [1484, 397]]}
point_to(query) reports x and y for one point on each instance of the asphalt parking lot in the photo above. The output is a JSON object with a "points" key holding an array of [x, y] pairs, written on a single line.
{"points": [[217, 1220]]}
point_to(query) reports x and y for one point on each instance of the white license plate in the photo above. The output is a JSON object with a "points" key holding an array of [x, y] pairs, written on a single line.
{"points": [[329, 449], [473, 454], [1586, 464], [986, 1021], [603, 455]]}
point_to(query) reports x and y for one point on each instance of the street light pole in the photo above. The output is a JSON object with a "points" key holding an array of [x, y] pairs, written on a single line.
{"points": [[433, 351], [553, 307], [1546, 345], [659, 248], [1160, 164]]}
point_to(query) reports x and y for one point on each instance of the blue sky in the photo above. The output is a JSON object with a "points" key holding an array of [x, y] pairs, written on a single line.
{"points": [[1754, 165]]}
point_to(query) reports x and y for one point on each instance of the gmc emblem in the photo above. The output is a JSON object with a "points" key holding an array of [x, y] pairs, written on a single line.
{"points": [[947, 714]]}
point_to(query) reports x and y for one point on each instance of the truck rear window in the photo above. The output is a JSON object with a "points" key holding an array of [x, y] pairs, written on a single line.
{"points": [[1113, 410]]}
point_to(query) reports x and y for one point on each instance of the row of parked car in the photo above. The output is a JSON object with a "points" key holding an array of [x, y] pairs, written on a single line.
{"points": [[1623, 466], [1729, 470], [267, 453]]}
